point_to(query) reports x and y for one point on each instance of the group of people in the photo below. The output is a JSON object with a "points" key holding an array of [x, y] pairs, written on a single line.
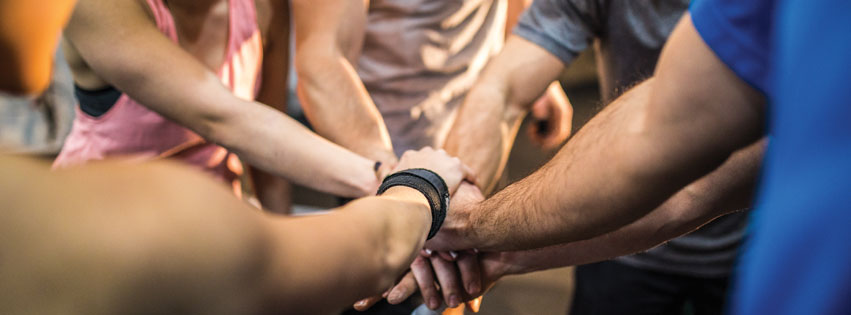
{"points": [[698, 93]]}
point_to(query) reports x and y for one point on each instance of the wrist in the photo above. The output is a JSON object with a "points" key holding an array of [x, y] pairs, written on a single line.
{"points": [[408, 194], [430, 185]]}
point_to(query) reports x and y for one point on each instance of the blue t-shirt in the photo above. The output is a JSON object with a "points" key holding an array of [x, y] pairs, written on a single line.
{"points": [[797, 259]]}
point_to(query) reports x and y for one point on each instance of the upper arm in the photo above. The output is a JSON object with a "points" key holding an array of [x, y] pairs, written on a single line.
{"points": [[524, 70], [328, 28], [698, 106]]}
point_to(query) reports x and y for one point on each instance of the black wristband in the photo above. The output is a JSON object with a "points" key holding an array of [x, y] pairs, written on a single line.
{"points": [[429, 184]]}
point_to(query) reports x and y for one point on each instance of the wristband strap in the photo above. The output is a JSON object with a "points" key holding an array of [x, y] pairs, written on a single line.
{"points": [[429, 184]]}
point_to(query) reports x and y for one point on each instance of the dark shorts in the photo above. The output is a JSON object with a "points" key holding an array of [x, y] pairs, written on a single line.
{"points": [[614, 288]]}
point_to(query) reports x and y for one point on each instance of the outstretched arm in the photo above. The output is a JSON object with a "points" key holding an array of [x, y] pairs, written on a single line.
{"points": [[196, 248], [329, 35], [491, 114], [729, 188], [644, 147], [122, 45]]}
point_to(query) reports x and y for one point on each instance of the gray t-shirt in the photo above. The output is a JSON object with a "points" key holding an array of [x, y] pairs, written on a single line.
{"points": [[628, 36]]}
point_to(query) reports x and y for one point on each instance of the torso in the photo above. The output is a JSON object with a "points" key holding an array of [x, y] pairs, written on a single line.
{"points": [[420, 58], [203, 36]]}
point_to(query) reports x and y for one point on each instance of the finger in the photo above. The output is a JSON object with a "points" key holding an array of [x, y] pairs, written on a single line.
{"points": [[426, 252], [471, 276], [541, 108], [421, 268], [450, 284], [366, 303], [448, 256], [469, 174], [403, 290]]}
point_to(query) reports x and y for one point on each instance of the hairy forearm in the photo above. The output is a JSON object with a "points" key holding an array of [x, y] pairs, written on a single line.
{"points": [[339, 107], [727, 189], [360, 249], [628, 151]]}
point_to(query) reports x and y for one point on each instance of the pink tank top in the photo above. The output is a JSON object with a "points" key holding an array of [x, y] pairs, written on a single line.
{"points": [[130, 129]]}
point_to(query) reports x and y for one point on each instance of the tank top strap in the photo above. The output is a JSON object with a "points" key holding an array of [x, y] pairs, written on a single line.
{"points": [[164, 19]]}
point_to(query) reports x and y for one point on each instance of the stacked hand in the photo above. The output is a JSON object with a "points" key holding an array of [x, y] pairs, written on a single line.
{"points": [[462, 275], [449, 168]]}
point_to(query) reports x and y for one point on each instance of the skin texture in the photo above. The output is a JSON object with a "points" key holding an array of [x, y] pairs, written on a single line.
{"points": [[29, 33], [117, 43], [727, 188], [497, 103], [328, 44], [197, 249], [656, 142]]}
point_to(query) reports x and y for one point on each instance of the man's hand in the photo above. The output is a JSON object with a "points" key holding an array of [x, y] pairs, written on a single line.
{"points": [[452, 235], [449, 168], [474, 275], [551, 118]]}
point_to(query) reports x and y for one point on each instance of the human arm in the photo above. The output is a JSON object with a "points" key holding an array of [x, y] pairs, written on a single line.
{"points": [[648, 144], [29, 35], [491, 114], [197, 248], [274, 193], [121, 44], [727, 189], [329, 36]]}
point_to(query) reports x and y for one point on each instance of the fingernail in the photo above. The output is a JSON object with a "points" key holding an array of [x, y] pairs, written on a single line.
{"points": [[428, 252], [360, 303], [454, 301], [433, 303], [453, 254]]}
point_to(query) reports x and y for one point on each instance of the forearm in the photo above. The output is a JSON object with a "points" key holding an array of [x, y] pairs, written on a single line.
{"points": [[273, 192], [628, 151], [339, 107], [488, 120], [484, 132], [727, 189], [360, 249], [282, 146]]}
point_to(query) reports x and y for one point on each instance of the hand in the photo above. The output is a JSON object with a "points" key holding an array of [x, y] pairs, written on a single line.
{"points": [[449, 168], [551, 118], [453, 235], [477, 274]]}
